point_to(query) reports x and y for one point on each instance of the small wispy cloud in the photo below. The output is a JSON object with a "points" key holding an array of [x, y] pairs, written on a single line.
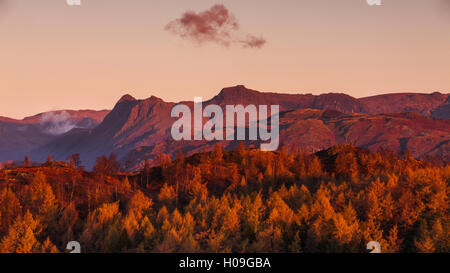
{"points": [[57, 123], [253, 41], [215, 25]]}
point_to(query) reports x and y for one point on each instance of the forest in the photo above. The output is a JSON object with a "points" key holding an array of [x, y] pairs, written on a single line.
{"points": [[239, 201]]}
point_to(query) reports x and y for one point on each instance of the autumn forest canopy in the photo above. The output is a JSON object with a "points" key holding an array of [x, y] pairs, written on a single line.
{"points": [[243, 200]]}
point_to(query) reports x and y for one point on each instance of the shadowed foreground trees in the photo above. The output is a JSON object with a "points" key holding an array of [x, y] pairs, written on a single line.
{"points": [[238, 201]]}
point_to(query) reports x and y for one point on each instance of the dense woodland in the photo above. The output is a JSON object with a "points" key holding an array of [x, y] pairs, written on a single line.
{"points": [[230, 201]]}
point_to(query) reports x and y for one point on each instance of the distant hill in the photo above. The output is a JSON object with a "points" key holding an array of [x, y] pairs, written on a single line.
{"points": [[140, 129], [434, 105], [19, 137]]}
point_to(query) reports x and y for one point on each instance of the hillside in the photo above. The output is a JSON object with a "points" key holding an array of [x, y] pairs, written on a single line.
{"points": [[140, 129], [19, 137], [243, 200]]}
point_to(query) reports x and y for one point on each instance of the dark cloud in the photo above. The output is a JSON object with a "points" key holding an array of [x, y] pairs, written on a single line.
{"points": [[216, 25]]}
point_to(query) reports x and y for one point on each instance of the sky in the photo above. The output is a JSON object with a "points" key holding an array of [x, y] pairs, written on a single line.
{"points": [[55, 56]]}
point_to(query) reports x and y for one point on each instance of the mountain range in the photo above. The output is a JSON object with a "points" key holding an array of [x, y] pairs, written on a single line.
{"points": [[138, 130], [20, 137]]}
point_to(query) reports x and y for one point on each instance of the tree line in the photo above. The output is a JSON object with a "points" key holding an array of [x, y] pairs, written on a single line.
{"points": [[243, 200]]}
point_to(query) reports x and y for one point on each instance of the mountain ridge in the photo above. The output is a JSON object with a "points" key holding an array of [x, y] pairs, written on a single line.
{"points": [[144, 124]]}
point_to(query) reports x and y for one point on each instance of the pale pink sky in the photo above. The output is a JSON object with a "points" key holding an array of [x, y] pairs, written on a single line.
{"points": [[53, 56]]}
